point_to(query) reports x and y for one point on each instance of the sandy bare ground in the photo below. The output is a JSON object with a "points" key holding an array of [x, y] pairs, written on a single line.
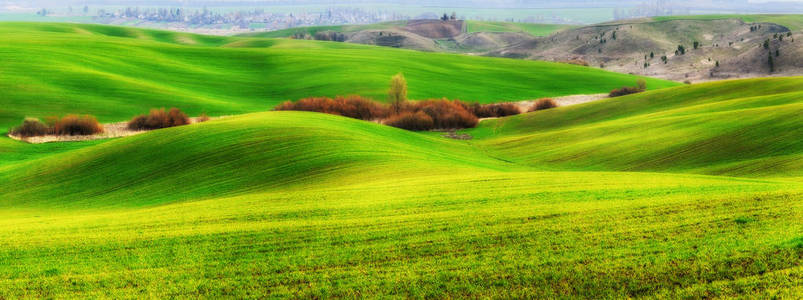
{"points": [[524, 106], [564, 101], [110, 130]]}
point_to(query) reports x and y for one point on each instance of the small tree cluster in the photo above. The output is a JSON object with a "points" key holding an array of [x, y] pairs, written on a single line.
{"points": [[76, 125], [159, 118], [543, 104], [641, 86], [496, 110], [445, 114], [418, 121], [681, 50], [68, 125], [30, 127], [355, 107]]}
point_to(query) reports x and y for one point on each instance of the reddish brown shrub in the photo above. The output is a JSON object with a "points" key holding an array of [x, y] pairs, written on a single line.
{"points": [[31, 127], [177, 118], [77, 125], [138, 123], [543, 104], [352, 106], [496, 110], [159, 118], [416, 121], [202, 118], [627, 90], [445, 114]]}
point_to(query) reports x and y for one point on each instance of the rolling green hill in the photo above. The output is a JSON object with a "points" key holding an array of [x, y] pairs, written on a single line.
{"points": [[793, 22], [117, 72], [471, 27], [532, 29], [312, 30], [749, 128], [542, 205], [235, 155]]}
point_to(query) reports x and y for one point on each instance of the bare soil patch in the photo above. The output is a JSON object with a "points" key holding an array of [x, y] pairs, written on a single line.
{"points": [[564, 101], [435, 29], [524, 106]]}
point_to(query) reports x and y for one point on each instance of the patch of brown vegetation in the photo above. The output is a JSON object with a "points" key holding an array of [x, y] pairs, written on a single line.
{"points": [[543, 104], [496, 110], [202, 118], [159, 118], [576, 61], [77, 125], [415, 121], [435, 29], [111, 130], [68, 125], [445, 114], [355, 107], [30, 127], [624, 91]]}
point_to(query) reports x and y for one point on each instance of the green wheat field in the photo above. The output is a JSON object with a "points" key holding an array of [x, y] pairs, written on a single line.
{"points": [[683, 191]]}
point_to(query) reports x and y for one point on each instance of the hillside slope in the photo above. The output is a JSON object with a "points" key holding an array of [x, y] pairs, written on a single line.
{"points": [[292, 204], [425, 35], [744, 128], [736, 43], [117, 72], [730, 46], [254, 152]]}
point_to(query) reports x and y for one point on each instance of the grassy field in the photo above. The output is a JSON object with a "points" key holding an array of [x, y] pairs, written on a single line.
{"points": [[744, 128], [312, 30], [685, 192], [117, 72], [532, 29], [793, 22], [471, 27]]}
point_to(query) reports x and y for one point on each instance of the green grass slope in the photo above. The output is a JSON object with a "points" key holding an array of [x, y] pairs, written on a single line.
{"points": [[471, 27], [505, 235], [117, 72], [288, 204], [304, 205], [234, 155], [312, 30], [793, 22], [530, 28], [736, 128]]}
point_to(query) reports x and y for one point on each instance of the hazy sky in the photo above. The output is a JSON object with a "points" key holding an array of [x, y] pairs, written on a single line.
{"points": [[455, 3]]}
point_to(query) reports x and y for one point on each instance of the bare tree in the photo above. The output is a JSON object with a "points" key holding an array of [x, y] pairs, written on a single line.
{"points": [[398, 92]]}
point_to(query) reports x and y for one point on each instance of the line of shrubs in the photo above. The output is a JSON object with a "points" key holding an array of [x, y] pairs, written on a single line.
{"points": [[67, 125], [355, 107], [159, 118], [88, 125], [641, 86], [411, 115]]}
